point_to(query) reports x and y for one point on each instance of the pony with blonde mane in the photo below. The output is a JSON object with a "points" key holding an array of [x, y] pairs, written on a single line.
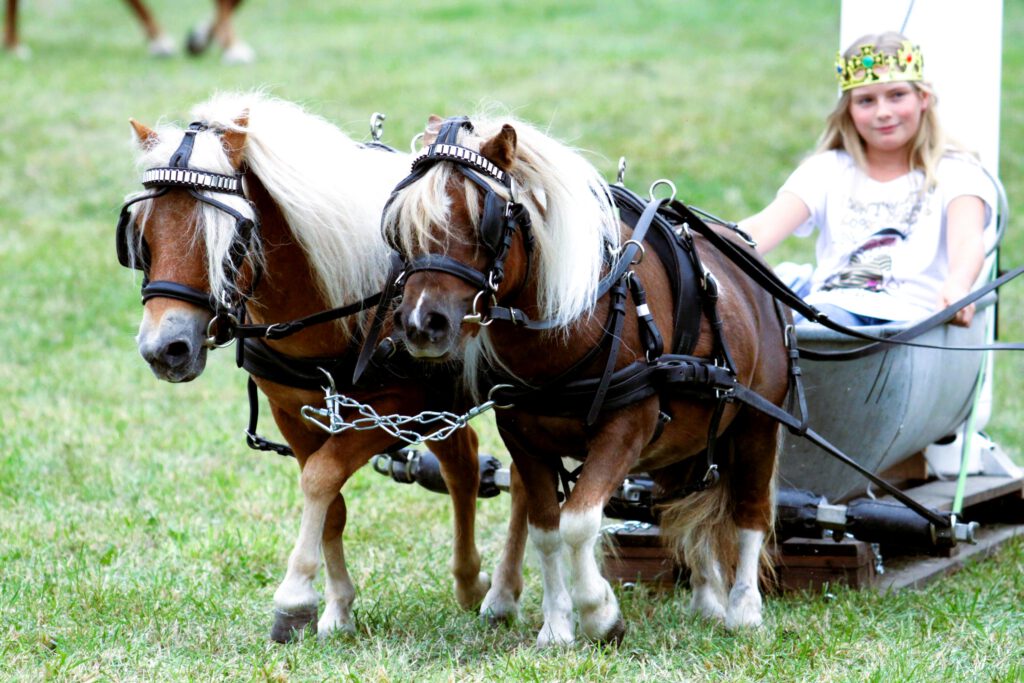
{"points": [[317, 195], [543, 264]]}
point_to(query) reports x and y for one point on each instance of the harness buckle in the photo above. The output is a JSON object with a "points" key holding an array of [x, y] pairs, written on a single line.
{"points": [[711, 477]]}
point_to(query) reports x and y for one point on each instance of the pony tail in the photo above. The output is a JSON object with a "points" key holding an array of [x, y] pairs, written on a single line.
{"points": [[700, 532]]}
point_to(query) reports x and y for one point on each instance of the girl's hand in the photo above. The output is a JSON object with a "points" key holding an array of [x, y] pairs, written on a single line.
{"points": [[951, 293]]}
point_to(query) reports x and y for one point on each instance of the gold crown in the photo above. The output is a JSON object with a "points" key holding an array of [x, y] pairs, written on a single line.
{"points": [[872, 66]]}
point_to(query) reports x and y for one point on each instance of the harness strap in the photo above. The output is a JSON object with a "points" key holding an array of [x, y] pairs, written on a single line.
{"points": [[370, 341], [757, 402], [175, 290], [255, 441], [617, 317]]}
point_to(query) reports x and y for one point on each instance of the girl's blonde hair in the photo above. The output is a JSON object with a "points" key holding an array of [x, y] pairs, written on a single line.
{"points": [[928, 146]]}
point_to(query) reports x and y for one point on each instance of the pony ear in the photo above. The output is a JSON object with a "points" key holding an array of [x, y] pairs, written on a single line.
{"points": [[234, 140], [432, 129], [145, 137], [501, 149]]}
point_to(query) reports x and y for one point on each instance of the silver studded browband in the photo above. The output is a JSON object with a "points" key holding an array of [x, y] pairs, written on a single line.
{"points": [[462, 155], [197, 180]]}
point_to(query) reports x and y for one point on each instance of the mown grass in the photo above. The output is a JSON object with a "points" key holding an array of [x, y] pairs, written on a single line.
{"points": [[141, 540]]}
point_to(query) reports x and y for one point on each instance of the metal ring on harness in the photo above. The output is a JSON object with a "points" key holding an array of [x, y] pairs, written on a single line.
{"points": [[211, 338], [412, 143], [475, 316], [490, 396], [663, 181], [620, 177], [377, 126]]}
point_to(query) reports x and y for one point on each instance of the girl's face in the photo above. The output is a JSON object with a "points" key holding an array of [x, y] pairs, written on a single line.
{"points": [[887, 115]]}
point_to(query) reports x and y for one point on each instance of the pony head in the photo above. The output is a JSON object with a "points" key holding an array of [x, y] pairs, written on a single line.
{"points": [[443, 215], [182, 244]]}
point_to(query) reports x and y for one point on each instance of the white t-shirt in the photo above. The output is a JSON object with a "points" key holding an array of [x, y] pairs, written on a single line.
{"points": [[881, 249]]}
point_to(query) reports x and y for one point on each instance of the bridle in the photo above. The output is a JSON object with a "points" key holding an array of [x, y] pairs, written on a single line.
{"points": [[133, 252], [500, 221]]}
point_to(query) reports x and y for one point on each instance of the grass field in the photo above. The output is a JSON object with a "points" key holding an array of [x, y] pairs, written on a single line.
{"points": [[141, 540]]}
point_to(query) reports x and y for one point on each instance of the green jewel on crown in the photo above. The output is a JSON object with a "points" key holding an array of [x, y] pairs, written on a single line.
{"points": [[872, 66]]}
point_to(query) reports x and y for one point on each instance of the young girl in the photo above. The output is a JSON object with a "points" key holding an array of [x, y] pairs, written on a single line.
{"points": [[900, 214]]}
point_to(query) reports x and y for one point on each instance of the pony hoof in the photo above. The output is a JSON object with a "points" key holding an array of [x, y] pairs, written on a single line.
{"points": [[198, 39], [495, 618], [615, 634], [289, 626]]}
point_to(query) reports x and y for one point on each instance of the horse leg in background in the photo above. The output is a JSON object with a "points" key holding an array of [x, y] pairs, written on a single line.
{"points": [[757, 440], [501, 604], [159, 44], [12, 43], [460, 468], [540, 484], [199, 38]]}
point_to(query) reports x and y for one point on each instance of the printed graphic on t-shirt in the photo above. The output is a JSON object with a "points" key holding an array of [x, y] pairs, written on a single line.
{"points": [[870, 265], [886, 226]]}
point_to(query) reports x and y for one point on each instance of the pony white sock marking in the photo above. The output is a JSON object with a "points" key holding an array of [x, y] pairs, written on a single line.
{"points": [[556, 605]]}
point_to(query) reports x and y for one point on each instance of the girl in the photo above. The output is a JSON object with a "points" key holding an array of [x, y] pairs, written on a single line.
{"points": [[900, 214]]}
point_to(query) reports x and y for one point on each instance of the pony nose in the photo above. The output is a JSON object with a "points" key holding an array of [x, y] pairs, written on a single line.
{"points": [[429, 327], [171, 354]]}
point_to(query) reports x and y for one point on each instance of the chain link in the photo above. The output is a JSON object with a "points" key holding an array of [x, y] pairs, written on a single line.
{"points": [[331, 420]]}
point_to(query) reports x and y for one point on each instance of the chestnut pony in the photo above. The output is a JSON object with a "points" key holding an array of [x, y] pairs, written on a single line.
{"points": [[305, 216], [510, 237]]}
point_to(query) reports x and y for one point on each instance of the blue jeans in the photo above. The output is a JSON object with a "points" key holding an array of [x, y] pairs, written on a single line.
{"points": [[842, 317]]}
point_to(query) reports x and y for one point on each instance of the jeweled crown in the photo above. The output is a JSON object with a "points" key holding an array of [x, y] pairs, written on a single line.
{"points": [[873, 66]]}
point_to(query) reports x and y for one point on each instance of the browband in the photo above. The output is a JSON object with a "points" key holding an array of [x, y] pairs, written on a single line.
{"points": [[163, 176], [462, 155]]}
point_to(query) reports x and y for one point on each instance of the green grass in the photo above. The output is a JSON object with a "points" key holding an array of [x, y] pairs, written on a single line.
{"points": [[141, 540]]}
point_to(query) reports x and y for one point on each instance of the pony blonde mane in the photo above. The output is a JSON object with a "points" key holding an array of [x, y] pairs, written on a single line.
{"points": [[572, 214], [329, 188]]}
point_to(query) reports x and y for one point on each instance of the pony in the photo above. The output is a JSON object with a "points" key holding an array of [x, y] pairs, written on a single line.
{"points": [[198, 40], [518, 265], [274, 209]]}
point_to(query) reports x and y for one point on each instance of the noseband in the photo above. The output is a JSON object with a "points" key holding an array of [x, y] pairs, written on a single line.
{"points": [[133, 252], [497, 226]]}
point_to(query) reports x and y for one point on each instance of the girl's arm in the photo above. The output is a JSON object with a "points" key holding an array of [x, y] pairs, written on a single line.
{"points": [[965, 222], [776, 221]]}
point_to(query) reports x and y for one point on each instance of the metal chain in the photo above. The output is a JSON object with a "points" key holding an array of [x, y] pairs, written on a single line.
{"points": [[330, 419]]}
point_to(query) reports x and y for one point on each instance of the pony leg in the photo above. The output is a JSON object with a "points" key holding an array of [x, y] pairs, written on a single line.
{"points": [[236, 51], [339, 592], [613, 450], [501, 604], [542, 510], [11, 26], [745, 599], [461, 471], [753, 488], [159, 44]]}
